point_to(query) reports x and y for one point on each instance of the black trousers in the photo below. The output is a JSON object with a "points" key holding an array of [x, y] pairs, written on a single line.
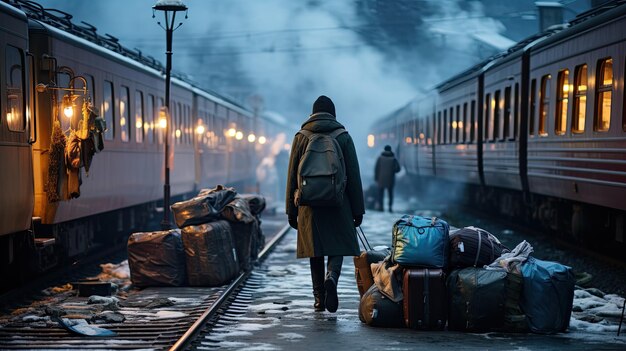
{"points": [[381, 196], [333, 269]]}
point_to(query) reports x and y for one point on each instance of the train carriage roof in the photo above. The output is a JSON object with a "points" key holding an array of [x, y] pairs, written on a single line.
{"points": [[60, 24]]}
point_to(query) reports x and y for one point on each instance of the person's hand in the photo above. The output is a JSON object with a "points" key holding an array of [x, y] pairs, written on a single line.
{"points": [[358, 220], [293, 222]]}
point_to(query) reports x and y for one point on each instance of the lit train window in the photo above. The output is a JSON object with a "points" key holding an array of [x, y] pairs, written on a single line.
{"points": [[473, 122], [148, 123], [125, 122], [459, 124], [544, 104], [604, 90], [506, 128], [189, 124], [14, 103], [497, 106], [178, 133], [533, 106], [487, 117], [562, 99], [109, 111], [580, 99], [139, 119], [465, 126]]}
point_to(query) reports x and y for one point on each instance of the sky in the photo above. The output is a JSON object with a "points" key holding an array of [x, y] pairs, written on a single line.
{"points": [[369, 56]]}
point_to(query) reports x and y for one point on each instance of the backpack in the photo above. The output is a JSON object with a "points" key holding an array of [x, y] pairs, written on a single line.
{"points": [[321, 171]]}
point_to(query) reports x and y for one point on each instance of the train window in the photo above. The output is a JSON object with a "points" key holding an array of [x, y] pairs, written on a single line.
{"points": [[125, 121], [562, 99], [473, 122], [91, 87], [487, 117], [439, 131], [109, 111], [604, 90], [445, 126], [506, 121], [177, 132], [544, 104], [465, 126], [189, 125], [580, 99], [516, 107], [148, 124], [157, 112], [533, 106], [14, 103], [139, 118], [459, 124], [497, 123]]}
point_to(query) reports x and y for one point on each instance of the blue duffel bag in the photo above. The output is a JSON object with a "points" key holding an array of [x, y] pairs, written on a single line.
{"points": [[547, 295], [420, 241]]}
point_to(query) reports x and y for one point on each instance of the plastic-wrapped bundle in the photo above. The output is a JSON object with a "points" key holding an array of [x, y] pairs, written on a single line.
{"points": [[203, 208], [211, 256], [256, 203], [156, 259], [238, 211]]}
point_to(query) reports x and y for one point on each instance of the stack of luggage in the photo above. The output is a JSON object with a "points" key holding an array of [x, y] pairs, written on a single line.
{"points": [[219, 236], [465, 280]]}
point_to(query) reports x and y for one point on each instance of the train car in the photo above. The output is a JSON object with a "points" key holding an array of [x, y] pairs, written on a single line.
{"points": [[548, 141], [96, 166], [16, 167]]}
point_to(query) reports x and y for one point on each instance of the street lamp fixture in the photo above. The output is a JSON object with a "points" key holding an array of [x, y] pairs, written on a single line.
{"points": [[169, 8]]}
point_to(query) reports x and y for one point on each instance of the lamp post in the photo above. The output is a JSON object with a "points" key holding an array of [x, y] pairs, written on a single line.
{"points": [[169, 8]]}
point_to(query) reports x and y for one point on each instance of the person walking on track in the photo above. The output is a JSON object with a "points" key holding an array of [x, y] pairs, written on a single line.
{"points": [[324, 199], [385, 176]]}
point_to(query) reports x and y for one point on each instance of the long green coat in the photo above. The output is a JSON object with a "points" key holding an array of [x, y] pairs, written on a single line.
{"points": [[326, 231]]}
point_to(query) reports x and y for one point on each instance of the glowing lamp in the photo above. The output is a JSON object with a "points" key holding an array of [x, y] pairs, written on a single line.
{"points": [[68, 106], [231, 132], [251, 138], [239, 135], [200, 129], [262, 140]]}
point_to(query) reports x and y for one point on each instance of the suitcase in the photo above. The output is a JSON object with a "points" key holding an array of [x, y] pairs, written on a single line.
{"points": [[211, 255], [420, 242], [156, 259], [474, 247], [362, 268], [425, 303]]}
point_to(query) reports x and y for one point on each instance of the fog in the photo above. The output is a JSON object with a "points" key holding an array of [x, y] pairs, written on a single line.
{"points": [[369, 56]]}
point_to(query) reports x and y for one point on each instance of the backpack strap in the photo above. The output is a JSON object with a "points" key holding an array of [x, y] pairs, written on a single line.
{"points": [[334, 134]]}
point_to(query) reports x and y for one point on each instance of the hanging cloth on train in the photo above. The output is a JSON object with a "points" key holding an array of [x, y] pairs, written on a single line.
{"points": [[73, 164], [56, 158]]}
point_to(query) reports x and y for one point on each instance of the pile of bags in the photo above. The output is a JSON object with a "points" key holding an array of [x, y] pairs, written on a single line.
{"points": [[219, 236], [463, 279]]}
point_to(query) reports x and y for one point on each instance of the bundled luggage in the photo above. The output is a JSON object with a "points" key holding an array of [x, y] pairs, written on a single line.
{"points": [[474, 247], [477, 299], [255, 202], [205, 207], [210, 252], [244, 236], [376, 310], [547, 295], [425, 303], [420, 241], [156, 259]]}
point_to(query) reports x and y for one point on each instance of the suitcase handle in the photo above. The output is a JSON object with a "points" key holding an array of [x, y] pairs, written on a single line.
{"points": [[363, 239]]}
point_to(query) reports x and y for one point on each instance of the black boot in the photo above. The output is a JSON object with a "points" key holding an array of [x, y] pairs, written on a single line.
{"points": [[330, 286], [317, 277]]}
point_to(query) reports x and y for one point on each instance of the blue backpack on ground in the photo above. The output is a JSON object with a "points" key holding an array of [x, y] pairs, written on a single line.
{"points": [[547, 295], [420, 241]]}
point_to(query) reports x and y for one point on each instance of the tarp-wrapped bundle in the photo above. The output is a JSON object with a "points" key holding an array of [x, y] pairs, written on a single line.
{"points": [[477, 299], [238, 210], [244, 235], [474, 247], [211, 256], [204, 208], [156, 259], [256, 203]]}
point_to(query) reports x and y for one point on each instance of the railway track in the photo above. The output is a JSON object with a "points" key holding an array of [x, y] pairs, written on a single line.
{"points": [[154, 318]]}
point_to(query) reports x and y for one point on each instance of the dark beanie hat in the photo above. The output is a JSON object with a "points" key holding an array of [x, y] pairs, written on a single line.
{"points": [[324, 104], [387, 148]]}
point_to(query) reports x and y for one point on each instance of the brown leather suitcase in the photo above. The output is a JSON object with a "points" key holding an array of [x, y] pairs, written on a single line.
{"points": [[362, 268], [425, 303]]}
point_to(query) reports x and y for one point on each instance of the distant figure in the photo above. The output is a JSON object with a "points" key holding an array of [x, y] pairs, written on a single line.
{"points": [[324, 214], [385, 176]]}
